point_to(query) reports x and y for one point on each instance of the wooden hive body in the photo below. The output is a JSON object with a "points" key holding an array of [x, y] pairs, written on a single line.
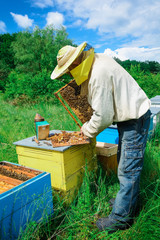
{"points": [[27, 201], [66, 164], [107, 155]]}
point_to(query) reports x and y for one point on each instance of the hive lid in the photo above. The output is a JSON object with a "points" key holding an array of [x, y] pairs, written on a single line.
{"points": [[28, 142], [155, 100]]}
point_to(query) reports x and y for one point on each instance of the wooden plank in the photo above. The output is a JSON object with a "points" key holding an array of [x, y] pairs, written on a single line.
{"points": [[43, 131], [105, 145], [108, 163], [106, 149], [70, 143]]}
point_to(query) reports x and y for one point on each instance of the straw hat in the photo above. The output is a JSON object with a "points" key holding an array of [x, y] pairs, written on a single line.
{"points": [[65, 58]]}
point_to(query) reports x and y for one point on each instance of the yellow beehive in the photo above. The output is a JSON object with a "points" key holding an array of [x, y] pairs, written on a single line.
{"points": [[66, 164]]}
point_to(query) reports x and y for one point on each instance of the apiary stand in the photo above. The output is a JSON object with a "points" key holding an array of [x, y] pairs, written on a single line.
{"points": [[66, 164], [29, 201]]}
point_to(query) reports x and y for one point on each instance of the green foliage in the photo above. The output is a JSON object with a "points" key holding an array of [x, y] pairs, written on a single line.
{"points": [[37, 50], [146, 67], [4, 71], [6, 52], [28, 58], [147, 75], [35, 58], [149, 82], [6, 57], [24, 88]]}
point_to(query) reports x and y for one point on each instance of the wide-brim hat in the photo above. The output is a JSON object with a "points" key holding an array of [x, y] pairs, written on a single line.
{"points": [[65, 58]]}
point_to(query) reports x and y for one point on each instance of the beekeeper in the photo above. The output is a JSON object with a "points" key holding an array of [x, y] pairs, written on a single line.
{"points": [[115, 97]]}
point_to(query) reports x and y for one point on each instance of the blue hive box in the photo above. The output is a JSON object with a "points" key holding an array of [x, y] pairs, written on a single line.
{"points": [[29, 201], [109, 135]]}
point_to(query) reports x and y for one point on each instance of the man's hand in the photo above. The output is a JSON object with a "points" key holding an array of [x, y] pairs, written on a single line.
{"points": [[82, 132]]}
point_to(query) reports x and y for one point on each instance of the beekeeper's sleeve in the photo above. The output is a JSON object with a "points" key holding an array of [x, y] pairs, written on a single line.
{"points": [[101, 100]]}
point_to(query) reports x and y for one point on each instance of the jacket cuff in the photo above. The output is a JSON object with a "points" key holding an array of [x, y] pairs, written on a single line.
{"points": [[87, 132]]}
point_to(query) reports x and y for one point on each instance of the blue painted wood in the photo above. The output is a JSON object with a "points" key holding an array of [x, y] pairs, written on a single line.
{"points": [[109, 135], [29, 201]]}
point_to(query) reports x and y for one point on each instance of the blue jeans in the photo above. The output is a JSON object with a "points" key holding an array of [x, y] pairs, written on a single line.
{"points": [[131, 147]]}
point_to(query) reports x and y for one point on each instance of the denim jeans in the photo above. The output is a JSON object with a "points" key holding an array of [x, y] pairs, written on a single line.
{"points": [[131, 147]]}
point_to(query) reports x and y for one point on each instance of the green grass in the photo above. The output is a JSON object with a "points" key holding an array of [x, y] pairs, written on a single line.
{"points": [[17, 123], [77, 221]]}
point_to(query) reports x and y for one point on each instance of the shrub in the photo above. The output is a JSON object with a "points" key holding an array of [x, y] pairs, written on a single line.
{"points": [[27, 88]]}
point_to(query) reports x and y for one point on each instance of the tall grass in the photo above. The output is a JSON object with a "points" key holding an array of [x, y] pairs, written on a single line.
{"points": [[77, 221]]}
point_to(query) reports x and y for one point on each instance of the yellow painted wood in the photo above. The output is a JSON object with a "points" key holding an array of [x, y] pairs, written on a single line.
{"points": [[73, 164], [69, 195], [75, 150], [66, 167], [56, 170], [75, 180], [40, 153]]}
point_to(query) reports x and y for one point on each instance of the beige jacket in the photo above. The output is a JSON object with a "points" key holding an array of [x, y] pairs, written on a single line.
{"points": [[114, 96]]}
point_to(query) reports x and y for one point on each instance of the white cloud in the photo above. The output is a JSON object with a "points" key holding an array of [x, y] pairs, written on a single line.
{"points": [[135, 53], [77, 23], [55, 18], [126, 18], [22, 21], [42, 3], [2, 26]]}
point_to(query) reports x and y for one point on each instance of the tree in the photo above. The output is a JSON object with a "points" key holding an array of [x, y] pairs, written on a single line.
{"points": [[35, 58], [6, 57], [146, 67], [149, 82], [38, 49]]}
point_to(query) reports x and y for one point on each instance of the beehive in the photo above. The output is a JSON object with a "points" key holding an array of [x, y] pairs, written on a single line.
{"points": [[109, 135], [107, 155], [66, 164], [23, 201]]}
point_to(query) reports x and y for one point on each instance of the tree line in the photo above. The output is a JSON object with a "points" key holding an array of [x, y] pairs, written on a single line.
{"points": [[27, 59]]}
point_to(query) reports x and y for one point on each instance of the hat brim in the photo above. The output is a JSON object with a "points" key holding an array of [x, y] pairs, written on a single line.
{"points": [[58, 72]]}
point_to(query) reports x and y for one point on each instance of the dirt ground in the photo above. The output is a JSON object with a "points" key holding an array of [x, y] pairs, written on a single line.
{"points": [[79, 104]]}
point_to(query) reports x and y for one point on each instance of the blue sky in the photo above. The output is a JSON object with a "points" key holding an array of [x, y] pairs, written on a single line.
{"points": [[128, 29]]}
